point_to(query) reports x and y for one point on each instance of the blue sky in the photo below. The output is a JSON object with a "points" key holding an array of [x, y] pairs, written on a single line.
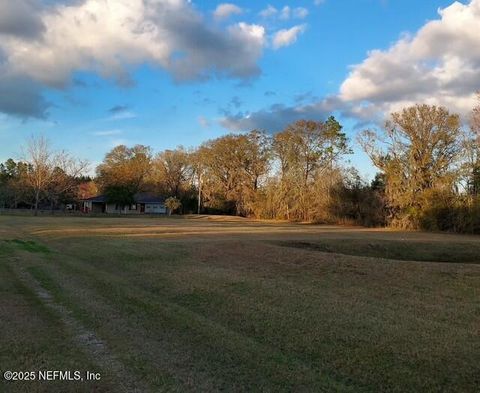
{"points": [[240, 71]]}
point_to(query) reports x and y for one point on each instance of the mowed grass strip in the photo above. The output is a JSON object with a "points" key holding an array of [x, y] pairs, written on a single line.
{"points": [[206, 353], [328, 314], [250, 315], [34, 339]]}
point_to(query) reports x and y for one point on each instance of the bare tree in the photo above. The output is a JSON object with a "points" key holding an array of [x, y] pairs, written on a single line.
{"points": [[475, 117], [472, 150], [198, 171], [47, 168], [65, 176]]}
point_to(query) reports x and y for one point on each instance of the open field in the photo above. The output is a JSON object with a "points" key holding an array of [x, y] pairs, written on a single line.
{"points": [[217, 304]]}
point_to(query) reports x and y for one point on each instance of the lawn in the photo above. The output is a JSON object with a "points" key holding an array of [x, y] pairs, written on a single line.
{"points": [[216, 304]]}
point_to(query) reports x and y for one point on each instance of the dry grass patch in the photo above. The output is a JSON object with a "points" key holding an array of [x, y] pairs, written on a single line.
{"points": [[256, 306]]}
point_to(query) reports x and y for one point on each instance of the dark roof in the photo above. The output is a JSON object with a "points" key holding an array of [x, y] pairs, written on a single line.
{"points": [[139, 198], [148, 198]]}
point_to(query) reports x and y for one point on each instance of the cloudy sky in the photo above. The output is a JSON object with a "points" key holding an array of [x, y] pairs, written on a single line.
{"points": [[91, 74]]}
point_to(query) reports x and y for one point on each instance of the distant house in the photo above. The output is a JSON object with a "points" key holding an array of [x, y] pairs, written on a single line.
{"points": [[143, 204]]}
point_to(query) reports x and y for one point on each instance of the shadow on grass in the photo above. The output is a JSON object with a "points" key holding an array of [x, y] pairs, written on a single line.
{"points": [[394, 249]]}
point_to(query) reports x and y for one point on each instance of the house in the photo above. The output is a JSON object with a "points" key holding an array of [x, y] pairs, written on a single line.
{"points": [[144, 203]]}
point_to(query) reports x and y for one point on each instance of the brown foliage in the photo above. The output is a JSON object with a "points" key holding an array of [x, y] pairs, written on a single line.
{"points": [[125, 167], [232, 169], [172, 172], [419, 150]]}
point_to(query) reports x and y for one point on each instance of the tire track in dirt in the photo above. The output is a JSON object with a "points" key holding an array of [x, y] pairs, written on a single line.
{"points": [[83, 338]]}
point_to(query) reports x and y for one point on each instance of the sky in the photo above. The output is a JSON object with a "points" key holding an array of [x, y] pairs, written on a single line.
{"points": [[92, 74]]}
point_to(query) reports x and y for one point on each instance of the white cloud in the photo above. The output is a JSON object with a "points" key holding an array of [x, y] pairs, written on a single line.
{"points": [[287, 37], [268, 12], [440, 64], [318, 2], [225, 10], [110, 37], [300, 12], [107, 133], [285, 13], [124, 115], [277, 116]]}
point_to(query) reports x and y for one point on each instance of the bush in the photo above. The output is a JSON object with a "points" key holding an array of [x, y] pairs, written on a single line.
{"points": [[452, 213]]}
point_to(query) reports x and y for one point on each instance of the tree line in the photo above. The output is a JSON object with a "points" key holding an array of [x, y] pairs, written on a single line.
{"points": [[428, 174]]}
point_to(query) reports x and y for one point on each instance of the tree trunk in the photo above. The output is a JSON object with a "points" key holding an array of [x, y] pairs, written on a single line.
{"points": [[37, 197], [199, 194]]}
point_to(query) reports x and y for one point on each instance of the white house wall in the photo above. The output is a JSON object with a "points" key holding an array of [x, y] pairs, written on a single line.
{"points": [[155, 208], [150, 208]]}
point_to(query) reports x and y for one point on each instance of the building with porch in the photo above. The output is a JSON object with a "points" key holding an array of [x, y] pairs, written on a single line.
{"points": [[144, 203]]}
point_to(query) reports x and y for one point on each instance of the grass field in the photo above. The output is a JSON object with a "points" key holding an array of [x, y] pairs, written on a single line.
{"points": [[216, 304]]}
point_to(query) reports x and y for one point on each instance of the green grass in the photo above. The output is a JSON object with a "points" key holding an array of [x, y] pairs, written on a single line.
{"points": [[28, 245], [258, 310]]}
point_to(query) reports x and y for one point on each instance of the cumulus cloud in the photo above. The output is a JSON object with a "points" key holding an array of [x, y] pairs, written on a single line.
{"points": [[21, 18], [22, 97], [440, 64], [286, 37], [110, 36], [225, 10], [233, 53], [277, 116]]}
